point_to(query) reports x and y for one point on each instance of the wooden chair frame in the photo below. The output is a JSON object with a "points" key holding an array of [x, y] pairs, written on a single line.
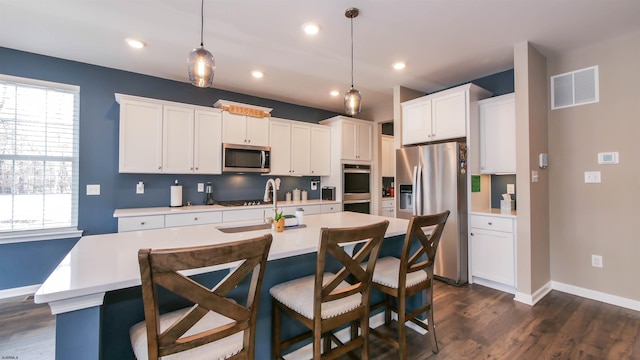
{"points": [[332, 242], [411, 262], [161, 267]]}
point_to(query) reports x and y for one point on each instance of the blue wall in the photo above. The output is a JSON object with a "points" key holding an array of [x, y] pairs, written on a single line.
{"points": [[99, 115]]}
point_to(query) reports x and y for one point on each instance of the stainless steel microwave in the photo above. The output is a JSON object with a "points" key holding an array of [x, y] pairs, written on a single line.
{"points": [[246, 158]]}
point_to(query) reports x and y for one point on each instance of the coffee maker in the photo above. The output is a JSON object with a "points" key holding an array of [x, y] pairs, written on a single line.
{"points": [[209, 191]]}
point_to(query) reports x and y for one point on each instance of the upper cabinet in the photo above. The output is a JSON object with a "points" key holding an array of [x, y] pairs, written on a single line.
{"points": [[166, 137], [388, 156], [299, 148], [440, 116], [355, 137], [244, 124], [498, 135]]}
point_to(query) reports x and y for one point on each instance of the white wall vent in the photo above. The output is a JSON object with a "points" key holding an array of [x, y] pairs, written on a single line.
{"points": [[575, 88]]}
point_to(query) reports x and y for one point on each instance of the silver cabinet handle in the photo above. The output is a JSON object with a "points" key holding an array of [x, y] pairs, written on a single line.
{"points": [[471, 234], [195, 219], [490, 223], [142, 223]]}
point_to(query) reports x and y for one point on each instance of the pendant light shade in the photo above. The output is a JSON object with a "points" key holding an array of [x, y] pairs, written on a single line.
{"points": [[352, 98], [201, 62]]}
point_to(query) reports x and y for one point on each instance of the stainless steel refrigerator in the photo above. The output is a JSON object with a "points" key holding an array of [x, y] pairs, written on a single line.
{"points": [[432, 179]]}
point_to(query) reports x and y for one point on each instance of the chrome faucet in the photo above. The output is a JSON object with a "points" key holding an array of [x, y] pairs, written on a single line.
{"points": [[275, 185]]}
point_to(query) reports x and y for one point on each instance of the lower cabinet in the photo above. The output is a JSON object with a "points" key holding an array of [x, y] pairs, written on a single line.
{"points": [[388, 208], [187, 219], [492, 249], [140, 223]]}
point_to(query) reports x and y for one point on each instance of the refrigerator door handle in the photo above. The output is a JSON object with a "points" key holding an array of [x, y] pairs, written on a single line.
{"points": [[414, 205], [419, 208]]}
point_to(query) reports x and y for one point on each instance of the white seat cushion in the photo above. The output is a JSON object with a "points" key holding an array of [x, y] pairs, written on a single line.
{"points": [[298, 295], [220, 349], [387, 273]]}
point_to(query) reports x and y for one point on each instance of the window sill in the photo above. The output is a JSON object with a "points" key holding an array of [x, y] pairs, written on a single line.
{"points": [[13, 237]]}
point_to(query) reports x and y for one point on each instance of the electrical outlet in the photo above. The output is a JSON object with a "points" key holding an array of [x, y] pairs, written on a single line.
{"points": [[140, 188], [200, 187], [596, 261], [93, 189], [592, 177], [511, 189]]}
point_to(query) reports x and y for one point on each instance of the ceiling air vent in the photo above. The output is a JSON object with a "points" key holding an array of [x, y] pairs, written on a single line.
{"points": [[575, 88]]}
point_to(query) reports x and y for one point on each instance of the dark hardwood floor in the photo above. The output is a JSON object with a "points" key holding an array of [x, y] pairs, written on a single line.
{"points": [[472, 322]]}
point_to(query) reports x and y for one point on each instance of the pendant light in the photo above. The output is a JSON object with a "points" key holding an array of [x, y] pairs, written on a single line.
{"points": [[352, 98], [201, 62]]}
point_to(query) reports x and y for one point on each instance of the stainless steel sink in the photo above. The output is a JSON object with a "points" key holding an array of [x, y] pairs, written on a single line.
{"points": [[243, 228]]}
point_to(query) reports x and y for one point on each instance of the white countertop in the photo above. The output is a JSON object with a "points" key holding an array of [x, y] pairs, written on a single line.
{"points": [[166, 210], [495, 212], [101, 263]]}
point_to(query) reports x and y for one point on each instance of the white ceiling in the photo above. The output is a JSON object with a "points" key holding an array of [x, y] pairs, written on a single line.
{"points": [[443, 42]]}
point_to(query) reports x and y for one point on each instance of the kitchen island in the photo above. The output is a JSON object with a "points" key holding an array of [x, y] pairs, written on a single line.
{"points": [[95, 291]]}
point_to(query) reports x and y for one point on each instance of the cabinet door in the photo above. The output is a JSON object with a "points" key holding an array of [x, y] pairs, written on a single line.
{"points": [[280, 142], [257, 131], [349, 149], [234, 128], [177, 137], [140, 149], [364, 142], [300, 149], [207, 151], [320, 151], [416, 122], [449, 116], [388, 157], [498, 135], [492, 256]]}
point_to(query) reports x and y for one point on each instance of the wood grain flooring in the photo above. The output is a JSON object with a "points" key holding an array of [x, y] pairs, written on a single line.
{"points": [[472, 322]]}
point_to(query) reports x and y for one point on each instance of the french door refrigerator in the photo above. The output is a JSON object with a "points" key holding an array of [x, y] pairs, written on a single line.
{"points": [[431, 179]]}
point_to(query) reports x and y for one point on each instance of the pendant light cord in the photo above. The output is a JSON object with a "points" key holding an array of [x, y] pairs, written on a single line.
{"points": [[202, 27], [351, 52]]}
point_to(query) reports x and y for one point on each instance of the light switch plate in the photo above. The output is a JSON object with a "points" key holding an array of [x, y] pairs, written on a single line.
{"points": [[140, 188], [534, 176], [200, 187], [592, 177], [93, 189]]}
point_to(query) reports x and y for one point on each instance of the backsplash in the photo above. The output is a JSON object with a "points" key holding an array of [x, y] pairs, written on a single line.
{"points": [[499, 187]]}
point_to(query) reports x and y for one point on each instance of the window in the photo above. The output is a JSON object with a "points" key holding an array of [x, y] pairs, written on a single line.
{"points": [[38, 155]]}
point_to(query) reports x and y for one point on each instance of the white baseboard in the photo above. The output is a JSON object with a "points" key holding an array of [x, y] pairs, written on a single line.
{"points": [[19, 291], [535, 297], [597, 295]]}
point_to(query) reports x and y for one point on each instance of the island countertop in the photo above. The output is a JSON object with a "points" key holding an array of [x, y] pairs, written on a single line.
{"points": [[101, 263]]}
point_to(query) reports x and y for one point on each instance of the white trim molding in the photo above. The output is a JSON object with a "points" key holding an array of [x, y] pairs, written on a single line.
{"points": [[77, 303], [13, 237], [597, 295], [19, 291], [535, 297]]}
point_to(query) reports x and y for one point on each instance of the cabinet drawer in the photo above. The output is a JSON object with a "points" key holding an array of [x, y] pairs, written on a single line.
{"points": [[388, 203], [329, 208], [242, 215], [200, 218], [491, 223], [140, 223]]}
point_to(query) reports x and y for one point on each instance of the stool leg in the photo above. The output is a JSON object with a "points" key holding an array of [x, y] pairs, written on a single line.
{"points": [[402, 329], [275, 348]]}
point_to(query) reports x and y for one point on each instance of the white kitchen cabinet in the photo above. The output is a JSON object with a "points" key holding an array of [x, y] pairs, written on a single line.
{"points": [[165, 137], [492, 247], [330, 208], [498, 135], [193, 218], [439, 116], [280, 142], [243, 214], [388, 207], [136, 223], [388, 156], [300, 149], [320, 156], [355, 137], [245, 130], [140, 149]]}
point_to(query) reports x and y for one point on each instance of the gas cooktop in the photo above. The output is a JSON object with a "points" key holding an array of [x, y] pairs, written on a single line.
{"points": [[243, 202]]}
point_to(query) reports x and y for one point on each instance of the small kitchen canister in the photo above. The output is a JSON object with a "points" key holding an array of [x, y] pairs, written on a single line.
{"points": [[300, 216], [296, 194], [305, 194], [288, 196]]}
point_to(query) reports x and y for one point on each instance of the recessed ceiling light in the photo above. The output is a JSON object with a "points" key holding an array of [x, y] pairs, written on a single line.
{"points": [[399, 65], [334, 93], [257, 74], [310, 28], [135, 43]]}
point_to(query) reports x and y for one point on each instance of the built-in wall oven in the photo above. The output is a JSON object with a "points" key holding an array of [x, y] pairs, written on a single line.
{"points": [[356, 185]]}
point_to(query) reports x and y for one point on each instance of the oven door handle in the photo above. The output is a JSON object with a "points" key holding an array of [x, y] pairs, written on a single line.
{"points": [[263, 159], [356, 171], [356, 201]]}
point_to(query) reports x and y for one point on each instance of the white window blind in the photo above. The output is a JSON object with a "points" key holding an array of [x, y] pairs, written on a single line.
{"points": [[38, 154]]}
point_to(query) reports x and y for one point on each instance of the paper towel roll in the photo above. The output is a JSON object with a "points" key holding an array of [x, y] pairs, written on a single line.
{"points": [[176, 195]]}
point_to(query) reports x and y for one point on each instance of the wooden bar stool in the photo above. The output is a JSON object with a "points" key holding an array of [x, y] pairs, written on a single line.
{"points": [[326, 301], [409, 275], [215, 326]]}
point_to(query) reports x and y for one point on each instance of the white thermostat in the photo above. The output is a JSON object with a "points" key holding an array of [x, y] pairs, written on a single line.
{"points": [[608, 157]]}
